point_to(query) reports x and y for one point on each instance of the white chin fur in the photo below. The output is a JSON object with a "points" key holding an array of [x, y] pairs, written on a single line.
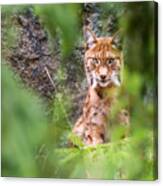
{"points": [[116, 81], [94, 85], [105, 84]]}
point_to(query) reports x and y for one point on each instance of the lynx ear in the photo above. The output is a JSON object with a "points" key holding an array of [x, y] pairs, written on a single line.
{"points": [[116, 40], [90, 37]]}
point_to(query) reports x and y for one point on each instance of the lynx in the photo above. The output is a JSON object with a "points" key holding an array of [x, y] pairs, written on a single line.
{"points": [[103, 66]]}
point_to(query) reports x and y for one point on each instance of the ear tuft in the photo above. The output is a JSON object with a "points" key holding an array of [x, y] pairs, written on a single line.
{"points": [[90, 37], [116, 40]]}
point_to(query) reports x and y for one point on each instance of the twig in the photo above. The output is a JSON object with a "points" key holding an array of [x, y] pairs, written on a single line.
{"points": [[49, 76]]}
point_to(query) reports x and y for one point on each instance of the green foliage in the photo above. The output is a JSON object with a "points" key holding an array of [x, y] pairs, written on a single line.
{"points": [[62, 18], [75, 140], [60, 120], [117, 160], [23, 128]]}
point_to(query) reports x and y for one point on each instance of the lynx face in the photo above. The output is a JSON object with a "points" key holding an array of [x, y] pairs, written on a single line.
{"points": [[103, 62]]}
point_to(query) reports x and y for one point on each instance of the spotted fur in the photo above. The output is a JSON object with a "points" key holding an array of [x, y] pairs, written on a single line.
{"points": [[103, 66]]}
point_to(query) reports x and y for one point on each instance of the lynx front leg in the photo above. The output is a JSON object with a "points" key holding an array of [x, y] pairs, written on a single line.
{"points": [[79, 127], [94, 135]]}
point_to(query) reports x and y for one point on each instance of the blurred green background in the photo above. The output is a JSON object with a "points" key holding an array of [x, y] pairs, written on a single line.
{"points": [[35, 131]]}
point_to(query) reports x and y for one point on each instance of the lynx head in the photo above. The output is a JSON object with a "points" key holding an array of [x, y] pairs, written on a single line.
{"points": [[103, 61]]}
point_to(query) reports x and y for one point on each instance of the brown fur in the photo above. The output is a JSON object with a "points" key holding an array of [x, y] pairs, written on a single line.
{"points": [[103, 65]]}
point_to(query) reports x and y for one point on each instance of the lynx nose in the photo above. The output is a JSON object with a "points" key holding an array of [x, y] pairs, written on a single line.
{"points": [[103, 77], [103, 73]]}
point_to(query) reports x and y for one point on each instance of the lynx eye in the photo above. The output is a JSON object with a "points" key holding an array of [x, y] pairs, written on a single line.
{"points": [[111, 61], [95, 61]]}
